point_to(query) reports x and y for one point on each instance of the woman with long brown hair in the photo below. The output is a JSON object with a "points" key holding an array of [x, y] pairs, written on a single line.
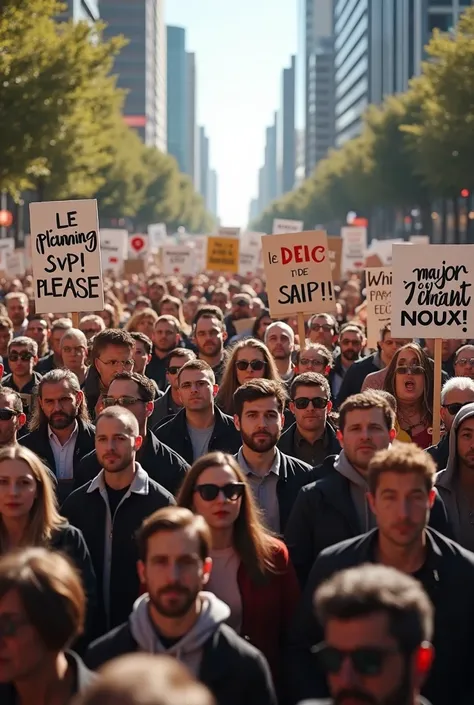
{"points": [[252, 571], [410, 378], [142, 321], [249, 359]]}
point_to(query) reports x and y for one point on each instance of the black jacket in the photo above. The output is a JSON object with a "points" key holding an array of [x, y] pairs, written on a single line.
{"points": [[448, 578], [175, 434], [324, 514], [38, 442], [287, 441], [161, 463], [233, 670], [87, 509], [46, 364], [162, 409], [27, 393], [440, 452], [92, 389], [355, 375], [294, 474], [156, 370], [420, 701]]}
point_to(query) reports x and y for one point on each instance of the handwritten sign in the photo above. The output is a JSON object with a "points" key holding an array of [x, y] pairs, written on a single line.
{"points": [[66, 256], [354, 245], [7, 246], [379, 301], [282, 226], [223, 254], [114, 248], [177, 259], [250, 253], [199, 245], [15, 266], [298, 271], [432, 291], [228, 232], [156, 235], [383, 250], [420, 239], [335, 255]]}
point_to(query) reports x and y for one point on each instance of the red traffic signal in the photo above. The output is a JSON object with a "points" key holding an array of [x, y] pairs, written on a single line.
{"points": [[465, 193]]}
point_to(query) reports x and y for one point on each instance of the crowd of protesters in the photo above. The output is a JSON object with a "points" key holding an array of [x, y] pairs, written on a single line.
{"points": [[182, 479]]}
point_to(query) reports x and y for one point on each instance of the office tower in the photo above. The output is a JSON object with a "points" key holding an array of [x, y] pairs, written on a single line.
{"points": [[192, 127], [203, 163], [212, 192], [141, 65], [177, 97], [82, 10], [270, 162], [285, 149], [253, 210]]}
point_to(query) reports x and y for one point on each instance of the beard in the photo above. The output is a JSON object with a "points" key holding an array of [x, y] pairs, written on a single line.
{"points": [[262, 445], [116, 464], [60, 420], [210, 350], [181, 606], [401, 695], [351, 355]]}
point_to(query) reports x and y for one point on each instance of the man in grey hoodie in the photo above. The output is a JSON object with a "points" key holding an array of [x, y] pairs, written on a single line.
{"points": [[455, 484], [178, 618]]}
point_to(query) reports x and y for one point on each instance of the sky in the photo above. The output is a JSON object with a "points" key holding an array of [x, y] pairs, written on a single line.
{"points": [[241, 48]]}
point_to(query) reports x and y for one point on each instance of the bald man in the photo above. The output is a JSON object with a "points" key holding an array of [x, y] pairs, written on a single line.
{"points": [[110, 508]]}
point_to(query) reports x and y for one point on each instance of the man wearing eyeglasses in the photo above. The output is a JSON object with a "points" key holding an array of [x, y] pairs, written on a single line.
{"points": [[22, 357], [12, 417], [378, 624], [112, 352], [464, 361], [136, 393], [170, 403], [314, 357], [351, 343], [456, 393], [323, 329], [311, 438]]}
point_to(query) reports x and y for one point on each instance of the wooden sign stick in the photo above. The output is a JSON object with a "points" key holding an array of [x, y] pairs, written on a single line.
{"points": [[301, 330], [75, 319], [437, 391]]}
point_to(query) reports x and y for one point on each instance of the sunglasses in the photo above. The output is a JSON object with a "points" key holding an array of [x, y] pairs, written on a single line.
{"points": [[256, 365], [173, 370], [7, 414], [24, 356], [209, 492], [317, 402], [465, 361], [325, 327], [121, 401], [454, 408], [368, 661], [306, 362], [410, 370]]}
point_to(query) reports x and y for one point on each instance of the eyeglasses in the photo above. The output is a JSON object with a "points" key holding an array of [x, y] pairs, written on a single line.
{"points": [[6, 414], [410, 370], [306, 362], [117, 363], [209, 492], [24, 356], [121, 401], [324, 326], [255, 365], [317, 402], [465, 361], [367, 661], [454, 408], [173, 370]]}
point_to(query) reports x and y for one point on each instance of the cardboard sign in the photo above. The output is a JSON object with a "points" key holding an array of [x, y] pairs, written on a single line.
{"points": [[134, 266], [298, 271], [66, 261], [420, 239], [378, 283], [7, 247], [228, 232], [114, 249], [383, 250], [354, 245], [223, 254], [250, 253], [432, 291], [15, 264], [137, 246], [199, 245], [177, 259], [156, 235], [335, 255], [281, 226]]}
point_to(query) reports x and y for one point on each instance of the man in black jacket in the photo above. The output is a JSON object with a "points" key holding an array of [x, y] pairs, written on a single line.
{"points": [[166, 337], [351, 343], [175, 617], [401, 494], [335, 508], [274, 477], [209, 336], [456, 393], [170, 403], [136, 393], [110, 509], [22, 357], [312, 438], [60, 430], [200, 427]]}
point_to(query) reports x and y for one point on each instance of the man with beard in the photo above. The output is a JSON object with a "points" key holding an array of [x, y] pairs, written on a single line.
{"points": [[178, 618], [378, 624], [110, 508], [12, 417], [209, 336], [166, 337], [280, 340], [351, 342], [60, 429], [200, 427], [22, 357], [17, 310], [274, 477], [401, 495], [241, 309]]}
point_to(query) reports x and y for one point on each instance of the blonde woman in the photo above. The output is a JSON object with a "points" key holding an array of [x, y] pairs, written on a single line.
{"points": [[142, 322]]}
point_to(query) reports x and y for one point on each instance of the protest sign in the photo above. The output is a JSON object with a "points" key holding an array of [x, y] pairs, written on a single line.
{"points": [[378, 284], [282, 226], [137, 246], [114, 249], [223, 254], [156, 236], [199, 245], [420, 239], [134, 266], [298, 271], [250, 253], [177, 259], [7, 246], [383, 250], [335, 254], [66, 256], [228, 232], [15, 263], [354, 245]]}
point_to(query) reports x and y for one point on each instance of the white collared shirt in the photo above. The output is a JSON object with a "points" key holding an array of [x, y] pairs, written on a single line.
{"points": [[63, 454]]}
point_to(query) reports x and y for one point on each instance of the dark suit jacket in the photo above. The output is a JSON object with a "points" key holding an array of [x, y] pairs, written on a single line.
{"points": [[38, 442], [287, 441]]}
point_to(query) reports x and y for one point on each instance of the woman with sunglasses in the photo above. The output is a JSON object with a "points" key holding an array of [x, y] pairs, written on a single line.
{"points": [[410, 379], [251, 571], [249, 359], [29, 516]]}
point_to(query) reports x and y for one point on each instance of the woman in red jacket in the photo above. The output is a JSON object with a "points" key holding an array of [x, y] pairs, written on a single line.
{"points": [[251, 570]]}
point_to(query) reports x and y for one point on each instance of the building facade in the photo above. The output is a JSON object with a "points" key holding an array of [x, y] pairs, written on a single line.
{"points": [[177, 97], [212, 193], [141, 65], [192, 125], [285, 147]]}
